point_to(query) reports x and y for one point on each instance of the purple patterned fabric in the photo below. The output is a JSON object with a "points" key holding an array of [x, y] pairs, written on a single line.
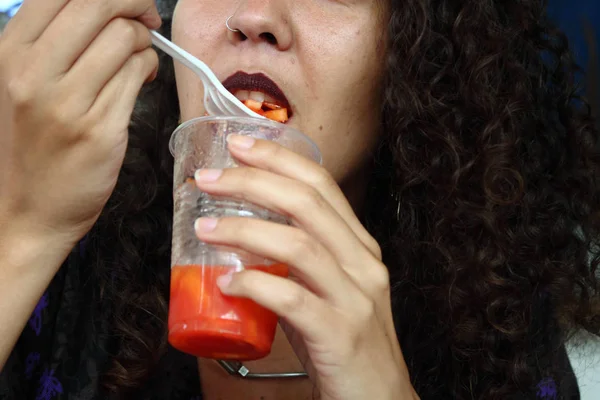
{"points": [[31, 362], [49, 386], [546, 389], [35, 321]]}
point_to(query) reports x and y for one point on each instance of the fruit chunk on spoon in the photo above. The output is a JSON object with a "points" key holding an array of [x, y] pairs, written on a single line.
{"points": [[268, 110]]}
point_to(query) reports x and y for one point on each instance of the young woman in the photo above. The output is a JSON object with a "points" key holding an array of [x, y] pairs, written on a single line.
{"points": [[446, 249]]}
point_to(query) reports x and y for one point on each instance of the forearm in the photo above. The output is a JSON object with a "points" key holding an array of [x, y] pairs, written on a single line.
{"points": [[28, 262]]}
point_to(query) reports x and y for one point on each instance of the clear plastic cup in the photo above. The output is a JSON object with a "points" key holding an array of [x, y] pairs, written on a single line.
{"points": [[202, 321]]}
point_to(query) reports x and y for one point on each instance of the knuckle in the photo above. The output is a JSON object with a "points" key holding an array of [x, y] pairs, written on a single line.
{"points": [[273, 151], [21, 90], [380, 279], [125, 30], [104, 138], [375, 248], [61, 116], [293, 300], [93, 134], [304, 246], [65, 121], [324, 179], [310, 199], [92, 117], [245, 174], [94, 125]]}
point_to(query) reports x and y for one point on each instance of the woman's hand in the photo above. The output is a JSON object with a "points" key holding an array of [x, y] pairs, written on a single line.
{"points": [[70, 71], [336, 308]]}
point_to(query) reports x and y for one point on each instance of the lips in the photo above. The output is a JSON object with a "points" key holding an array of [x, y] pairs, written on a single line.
{"points": [[257, 87]]}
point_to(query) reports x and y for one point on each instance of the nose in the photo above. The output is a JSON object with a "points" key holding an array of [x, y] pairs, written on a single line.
{"points": [[261, 21]]}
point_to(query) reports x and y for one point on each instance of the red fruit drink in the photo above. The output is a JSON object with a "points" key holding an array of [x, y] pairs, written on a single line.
{"points": [[206, 323]]}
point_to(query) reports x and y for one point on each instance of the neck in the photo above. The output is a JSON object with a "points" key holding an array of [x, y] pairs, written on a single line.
{"points": [[355, 190]]}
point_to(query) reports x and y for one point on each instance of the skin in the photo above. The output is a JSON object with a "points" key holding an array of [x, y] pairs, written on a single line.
{"points": [[337, 317], [70, 71], [333, 88]]}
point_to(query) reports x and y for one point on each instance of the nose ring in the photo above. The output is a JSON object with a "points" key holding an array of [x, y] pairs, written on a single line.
{"points": [[228, 27]]}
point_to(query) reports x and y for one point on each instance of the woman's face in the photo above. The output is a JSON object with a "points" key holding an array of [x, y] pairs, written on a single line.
{"points": [[326, 57]]}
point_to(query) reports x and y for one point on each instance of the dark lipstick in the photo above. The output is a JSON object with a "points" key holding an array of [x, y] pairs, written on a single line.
{"points": [[256, 83]]}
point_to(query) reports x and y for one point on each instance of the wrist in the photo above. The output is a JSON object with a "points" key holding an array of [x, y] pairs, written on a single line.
{"points": [[408, 393], [27, 246], [397, 388], [402, 384]]}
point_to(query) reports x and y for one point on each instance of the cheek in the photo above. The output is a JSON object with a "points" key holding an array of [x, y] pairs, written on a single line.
{"points": [[351, 115], [196, 28], [190, 92], [199, 39], [348, 67], [350, 89]]}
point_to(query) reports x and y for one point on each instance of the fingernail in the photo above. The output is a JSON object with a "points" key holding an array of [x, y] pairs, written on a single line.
{"points": [[223, 281], [208, 175], [241, 142], [205, 224]]}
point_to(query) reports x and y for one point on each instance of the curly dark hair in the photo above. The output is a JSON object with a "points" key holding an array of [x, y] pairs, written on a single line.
{"points": [[129, 247], [485, 201]]}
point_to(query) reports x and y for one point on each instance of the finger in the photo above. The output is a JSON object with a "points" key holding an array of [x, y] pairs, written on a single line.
{"points": [[64, 41], [306, 258], [115, 102], [32, 19], [311, 212], [105, 56], [300, 308], [274, 157], [302, 203]]}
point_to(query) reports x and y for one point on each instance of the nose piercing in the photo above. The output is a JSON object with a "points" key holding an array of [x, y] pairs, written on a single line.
{"points": [[228, 27]]}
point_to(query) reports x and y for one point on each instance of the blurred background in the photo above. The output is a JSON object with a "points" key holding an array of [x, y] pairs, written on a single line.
{"points": [[580, 20], [8, 8]]}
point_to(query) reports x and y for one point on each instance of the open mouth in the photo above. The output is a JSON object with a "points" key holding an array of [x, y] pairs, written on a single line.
{"points": [[260, 94]]}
